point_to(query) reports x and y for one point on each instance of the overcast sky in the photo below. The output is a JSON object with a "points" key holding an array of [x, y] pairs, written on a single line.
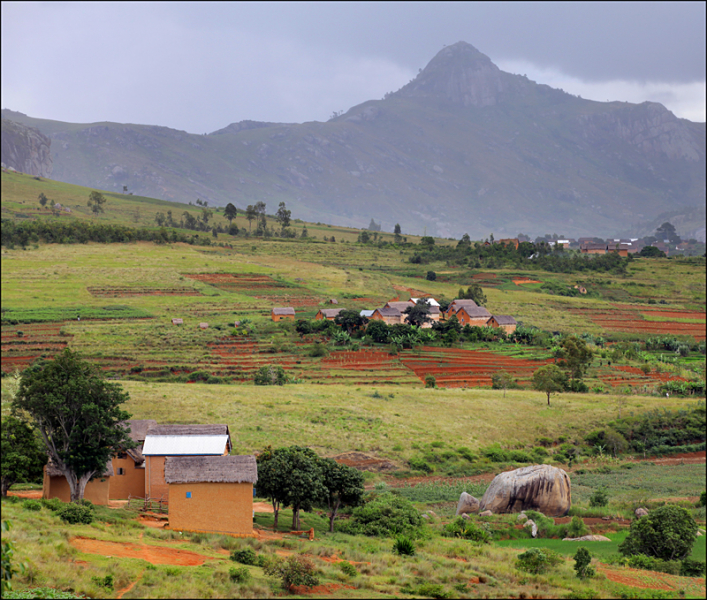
{"points": [[200, 66]]}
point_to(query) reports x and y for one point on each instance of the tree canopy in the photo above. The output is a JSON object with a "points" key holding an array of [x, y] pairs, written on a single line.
{"points": [[418, 314], [473, 292], [667, 532], [96, 200], [23, 455], [230, 212], [549, 379], [78, 415], [283, 215], [343, 485], [351, 320], [576, 356]]}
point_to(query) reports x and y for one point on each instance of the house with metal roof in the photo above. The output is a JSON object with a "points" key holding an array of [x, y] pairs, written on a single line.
{"points": [[162, 441], [212, 494]]}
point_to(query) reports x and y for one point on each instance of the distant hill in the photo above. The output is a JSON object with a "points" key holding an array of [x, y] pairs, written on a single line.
{"points": [[464, 147]]}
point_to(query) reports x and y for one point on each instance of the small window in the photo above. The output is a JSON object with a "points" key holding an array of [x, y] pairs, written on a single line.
{"points": [[121, 471], [188, 494]]}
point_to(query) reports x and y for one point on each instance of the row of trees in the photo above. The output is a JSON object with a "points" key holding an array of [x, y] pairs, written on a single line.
{"points": [[295, 476]]}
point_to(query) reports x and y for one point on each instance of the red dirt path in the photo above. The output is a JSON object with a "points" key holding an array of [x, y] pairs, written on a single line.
{"points": [[155, 555]]}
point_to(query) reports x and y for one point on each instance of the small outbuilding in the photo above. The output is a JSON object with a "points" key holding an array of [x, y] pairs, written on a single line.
{"points": [[212, 494], [328, 313], [286, 313], [389, 315], [505, 322]]}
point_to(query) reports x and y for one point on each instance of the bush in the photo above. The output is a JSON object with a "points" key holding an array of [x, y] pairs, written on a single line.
{"points": [[537, 560], [668, 533], [76, 513], [404, 546], [32, 505], [106, 582], [468, 530], [348, 569], [53, 504], [419, 464], [703, 499], [430, 381], [295, 571], [599, 498], [582, 558], [247, 556], [431, 275], [577, 528], [692, 568], [270, 375], [318, 350], [239, 574], [387, 515]]}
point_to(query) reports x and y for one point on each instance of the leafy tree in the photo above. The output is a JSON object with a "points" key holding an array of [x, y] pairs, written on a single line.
{"points": [[22, 454], [351, 320], [364, 237], [230, 212], [464, 242], [538, 560], [431, 276], [96, 200], [283, 216], [343, 486], [206, 214], [427, 241], [305, 233], [473, 292], [576, 356], [549, 379], [397, 231], [271, 472], [270, 375], [43, 199], [502, 380], [378, 332], [582, 560], [160, 219], [667, 532], [78, 415], [251, 214], [418, 314], [667, 232], [651, 252]]}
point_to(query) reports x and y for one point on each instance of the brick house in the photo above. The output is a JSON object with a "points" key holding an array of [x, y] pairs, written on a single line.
{"points": [[474, 316], [456, 305], [55, 485], [283, 314], [328, 313], [389, 315], [163, 441], [128, 477], [505, 322], [212, 494]]}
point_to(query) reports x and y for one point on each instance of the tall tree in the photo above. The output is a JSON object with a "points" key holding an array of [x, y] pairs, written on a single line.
{"points": [[78, 415], [96, 200], [43, 199], [473, 292], [251, 214], [667, 232], [23, 455], [230, 212], [351, 320], [549, 379], [272, 468], [283, 215], [343, 486], [576, 356]]}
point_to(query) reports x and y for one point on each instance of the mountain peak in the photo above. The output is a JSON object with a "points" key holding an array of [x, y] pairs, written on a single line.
{"points": [[462, 75]]}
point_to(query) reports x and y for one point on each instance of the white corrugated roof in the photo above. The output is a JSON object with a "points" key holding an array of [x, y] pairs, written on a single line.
{"points": [[184, 445], [430, 301]]}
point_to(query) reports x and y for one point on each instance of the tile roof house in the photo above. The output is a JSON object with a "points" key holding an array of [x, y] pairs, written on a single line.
{"points": [[211, 494]]}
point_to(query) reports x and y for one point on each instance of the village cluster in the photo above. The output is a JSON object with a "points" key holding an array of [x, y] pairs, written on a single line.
{"points": [[393, 313]]}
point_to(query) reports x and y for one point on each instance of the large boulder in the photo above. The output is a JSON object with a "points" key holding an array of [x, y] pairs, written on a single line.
{"points": [[467, 504], [538, 487]]}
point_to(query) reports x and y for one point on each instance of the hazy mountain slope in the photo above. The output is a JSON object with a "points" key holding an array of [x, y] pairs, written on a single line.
{"points": [[464, 147]]}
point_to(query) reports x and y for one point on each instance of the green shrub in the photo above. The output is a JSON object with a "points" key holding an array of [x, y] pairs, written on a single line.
{"points": [[106, 582], [599, 498], [537, 560], [297, 570], [668, 533], [577, 528], [520, 456], [76, 513], [703, 499], [582, 558], [419, 464], [318, 350], [348, 569], [468, 530], [432, 590], [430, 381], [270, 375], [53, 504], [650, 563], [546, 525], [692, 568], [404, 546], [247, 556], [387, 515], [239, 574], [32, 505]]}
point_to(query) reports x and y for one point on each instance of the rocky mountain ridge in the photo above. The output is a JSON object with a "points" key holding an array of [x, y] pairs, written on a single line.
{"points": [[25, 149], [464, 147]]}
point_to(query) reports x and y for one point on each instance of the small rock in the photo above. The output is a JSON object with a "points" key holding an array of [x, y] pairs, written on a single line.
{"points": [[425, 517], [465, 517], [522, 517], [588, 538], [534, 528], [640, 512], [699, 533], [432, 513], [486, 513], [467, 504]]}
